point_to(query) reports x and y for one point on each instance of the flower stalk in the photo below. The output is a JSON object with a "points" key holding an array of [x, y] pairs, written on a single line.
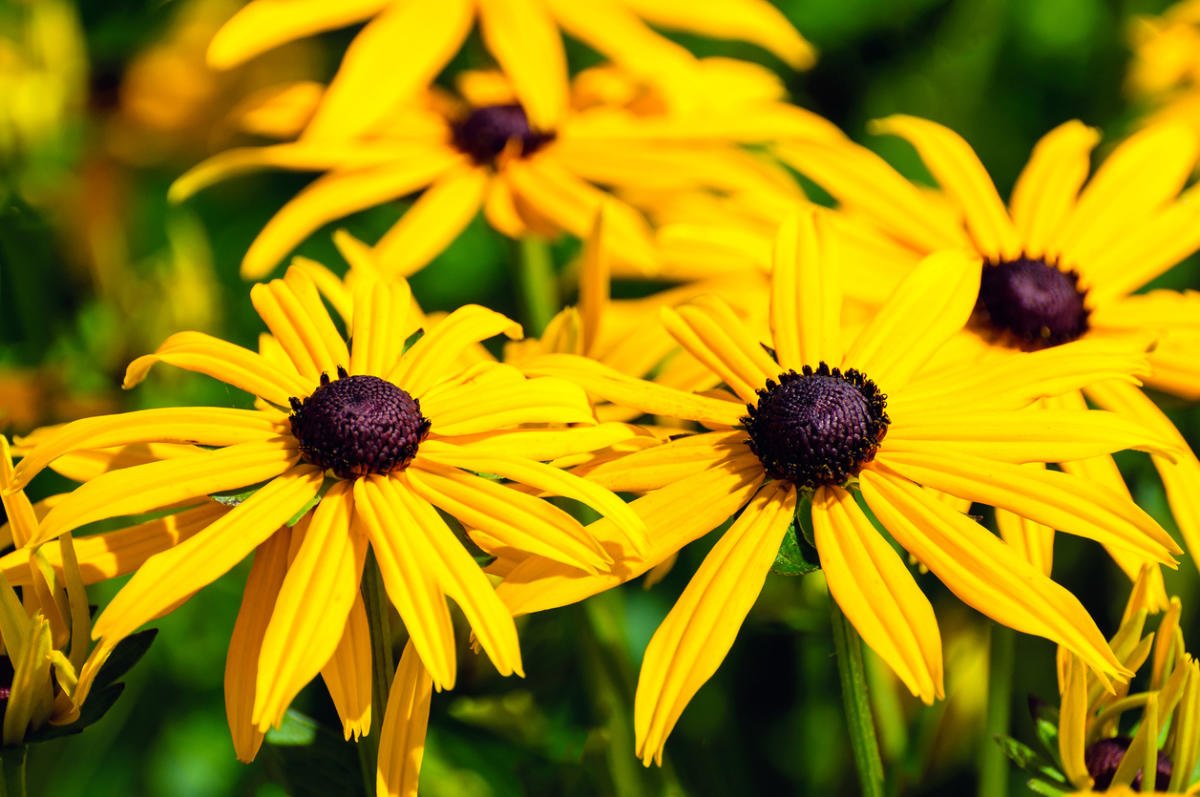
{"points": [[856, 703]]}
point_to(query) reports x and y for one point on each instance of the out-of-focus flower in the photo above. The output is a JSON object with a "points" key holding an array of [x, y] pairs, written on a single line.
{"points": [[830, 416], [372, 457], [1164, 74], [1061, 263], [411, 41], [483, 152]]}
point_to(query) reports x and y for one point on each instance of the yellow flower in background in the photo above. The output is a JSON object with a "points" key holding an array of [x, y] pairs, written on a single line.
{"points": [[411, 41], [1099, 748], [816, 414], [1061, 263], [1164, 74], [335, 429], [482, 152]]}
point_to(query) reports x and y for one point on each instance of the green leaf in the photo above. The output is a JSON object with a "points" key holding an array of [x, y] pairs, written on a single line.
{"points": [[797, 556], [297, 730], [125, 655], [1048, 789]]}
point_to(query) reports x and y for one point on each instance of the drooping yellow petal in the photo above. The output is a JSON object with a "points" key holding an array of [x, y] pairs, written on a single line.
{"points": [[1143, 173], [806, 294], [713, 334], [1027, 435], [174, 574], [22, 520], [608, 384], [1045, 192], [30, 697], [338, 194], [1032, 540], [1073, 723], [402, 739], [432, 358], [457, 573], [595, 276], [877, 594], [930, 305], [515, 519], [234, 365], [160, 484], [1056, 499], [410, 42], [381, 311], [433, 221], [958, 171], [698, 632], [312, 606], [472, 409], [522, 37], [264, 24], [546, 479], [347, 674], [983, 571], [754, 21], [412, 587], [241, 662], [674, 514]]}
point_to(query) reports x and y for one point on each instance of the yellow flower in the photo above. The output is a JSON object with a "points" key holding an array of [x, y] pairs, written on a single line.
{"points": [[1061, 263], [1165, 71], [483, 152], [831, 417], [335, 428], [1096, 753], [410, 42]]}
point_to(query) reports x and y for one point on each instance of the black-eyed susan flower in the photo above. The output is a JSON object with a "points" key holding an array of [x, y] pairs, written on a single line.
{"points": [[482, 152], [1061, 263], [350, 447], [815, 413], [1164, 74], [1134, 739], [411, 42]]}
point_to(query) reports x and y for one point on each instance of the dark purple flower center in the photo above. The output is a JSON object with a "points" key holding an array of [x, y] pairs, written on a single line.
{"points": [[1032, 301], [817, 427], [355, 425], [1104, 756], [488, 131]]}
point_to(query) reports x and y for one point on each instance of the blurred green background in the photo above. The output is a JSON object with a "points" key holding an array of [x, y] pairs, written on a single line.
{"points": [[106, 103]]}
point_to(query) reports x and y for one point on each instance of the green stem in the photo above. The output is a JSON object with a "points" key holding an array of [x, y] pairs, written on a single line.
{"points": [[383, 666], [536, 281], [856, 703], [12, 761], [993, 764]]}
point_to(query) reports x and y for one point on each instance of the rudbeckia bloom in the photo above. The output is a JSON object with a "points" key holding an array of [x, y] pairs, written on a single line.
{"points": [[1164, 73], [1060, 263], [483, 152], [349, 448], [411, 41], [816, 414], [1100, 749]]}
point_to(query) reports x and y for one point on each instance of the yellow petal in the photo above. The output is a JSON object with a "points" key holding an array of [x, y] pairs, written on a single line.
{"points": [[30, 697], [984, 572], [474, 409], [241, 663], [22, 520], [612, 29], [412, 588], [1162, 309], [608, 384], [264, 24], [692, 641], [958, 171], [457, 573], [311, 608], [1045, 192], [806, 294], [338, 194], [208, 426], [1056, 499], [929, 306], [432, 358], [347, 674], [380, 310], [642, 471], [234, 365], [522, 37], [173, 575], [516, 520], [410, 42], [713, 334], [159, 484], [1072, 724], [402, 740], [877, 594], [433, 222], [595, 275], [545, 445]]}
